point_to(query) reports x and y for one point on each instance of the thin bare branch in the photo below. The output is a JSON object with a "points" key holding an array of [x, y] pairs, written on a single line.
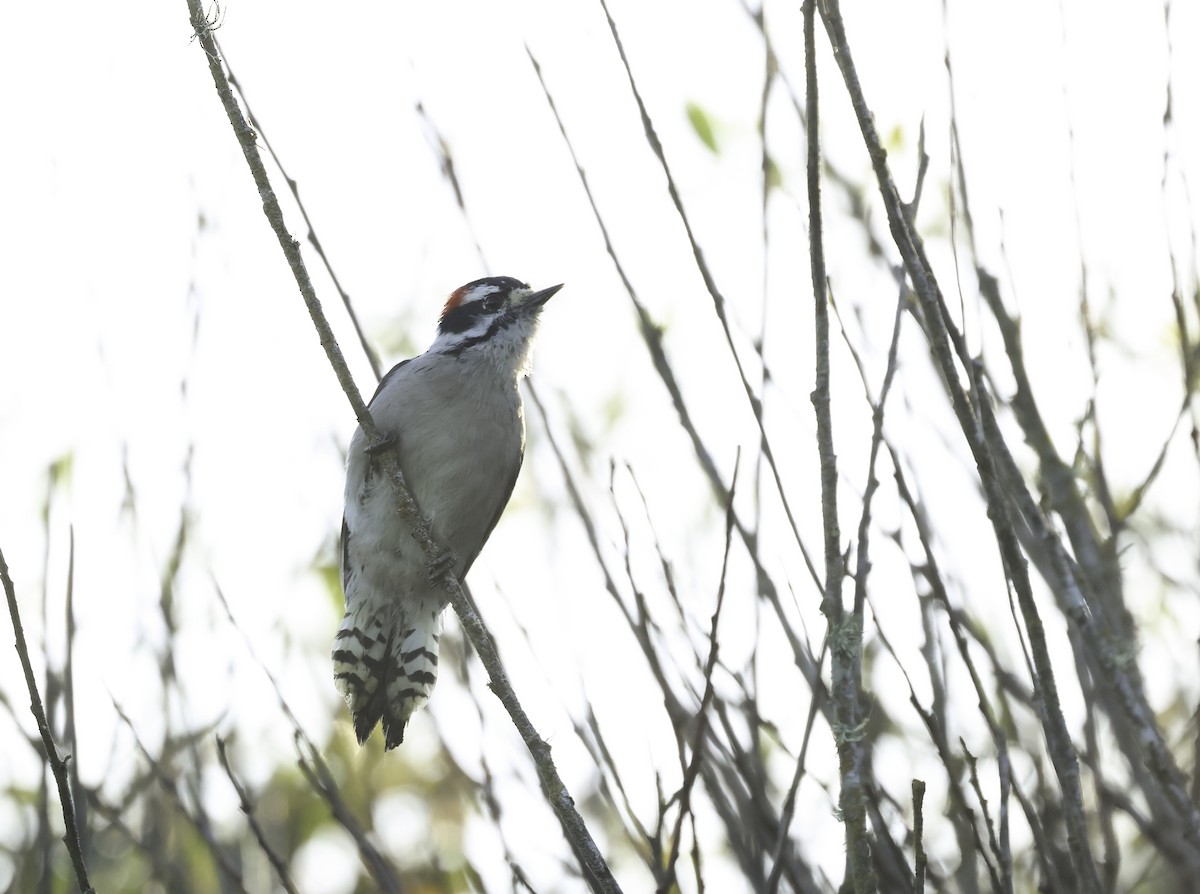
{"points": [[845, 629], [57, 763], [260, 835]]}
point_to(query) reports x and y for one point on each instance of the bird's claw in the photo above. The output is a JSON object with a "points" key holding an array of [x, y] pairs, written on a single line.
{"points": [[386, 443], [439, 567]]}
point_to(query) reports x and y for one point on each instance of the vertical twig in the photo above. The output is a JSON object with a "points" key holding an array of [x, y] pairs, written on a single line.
{"points": [[58, 764], [845, 631], [918, 797], [70, 730]]}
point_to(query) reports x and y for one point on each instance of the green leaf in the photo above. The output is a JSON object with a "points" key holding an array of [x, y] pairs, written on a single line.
{"points": [[774, 175], [702, 124]]}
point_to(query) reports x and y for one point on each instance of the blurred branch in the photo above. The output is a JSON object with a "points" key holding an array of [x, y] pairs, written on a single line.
{"points": [[554, 789], [315, 772], [789, 801], [247, 808], [652, 336], [160, 773], [852, 192], [372, 357], [692, 770], [1087, 584], [58, 764], [319, 777], [710, 284], [918, 797], [70, 731]]}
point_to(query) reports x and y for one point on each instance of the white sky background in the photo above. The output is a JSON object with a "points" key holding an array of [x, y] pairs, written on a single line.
{"points": [[146, 310]]}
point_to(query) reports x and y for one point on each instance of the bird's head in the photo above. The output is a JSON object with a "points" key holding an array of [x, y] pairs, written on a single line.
{"points": [[494, 317]]}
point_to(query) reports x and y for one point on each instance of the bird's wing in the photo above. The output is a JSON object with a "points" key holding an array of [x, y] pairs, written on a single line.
{"points": [[391, 372], [508, 489], [345, 527], [345, 551]]}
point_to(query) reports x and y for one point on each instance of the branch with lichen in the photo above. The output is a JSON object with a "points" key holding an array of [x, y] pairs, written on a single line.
{"points": [[845, 629]]}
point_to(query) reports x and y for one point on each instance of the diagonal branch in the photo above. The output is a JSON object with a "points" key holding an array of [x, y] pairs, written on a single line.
{"points": [[555, 791]]}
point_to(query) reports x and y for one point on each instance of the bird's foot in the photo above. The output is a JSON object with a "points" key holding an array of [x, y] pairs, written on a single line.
{"points": [[439, 567], [387, 442]]}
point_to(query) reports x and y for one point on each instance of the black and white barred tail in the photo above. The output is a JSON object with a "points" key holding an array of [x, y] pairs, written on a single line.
{"points": [[385, 666]]}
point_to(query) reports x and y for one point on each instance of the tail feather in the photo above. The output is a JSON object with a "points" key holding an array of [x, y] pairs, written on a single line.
{"points": [[386, 666]]}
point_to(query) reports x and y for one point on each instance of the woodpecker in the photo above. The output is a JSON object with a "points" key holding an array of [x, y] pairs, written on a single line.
{"points": [[454, 417]]}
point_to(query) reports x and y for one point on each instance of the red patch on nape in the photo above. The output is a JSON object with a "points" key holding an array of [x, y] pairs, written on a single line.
{"points": [[455, 299]]}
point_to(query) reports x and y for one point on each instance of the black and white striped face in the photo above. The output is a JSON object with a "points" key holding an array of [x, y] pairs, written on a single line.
{"points": [[497, 312]]}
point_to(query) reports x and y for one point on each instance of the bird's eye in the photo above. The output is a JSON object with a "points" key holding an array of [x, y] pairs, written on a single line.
{"points": [[492, 303]]}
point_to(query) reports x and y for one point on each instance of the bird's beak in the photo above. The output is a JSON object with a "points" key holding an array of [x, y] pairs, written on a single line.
{"points": [[536, 299]]}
